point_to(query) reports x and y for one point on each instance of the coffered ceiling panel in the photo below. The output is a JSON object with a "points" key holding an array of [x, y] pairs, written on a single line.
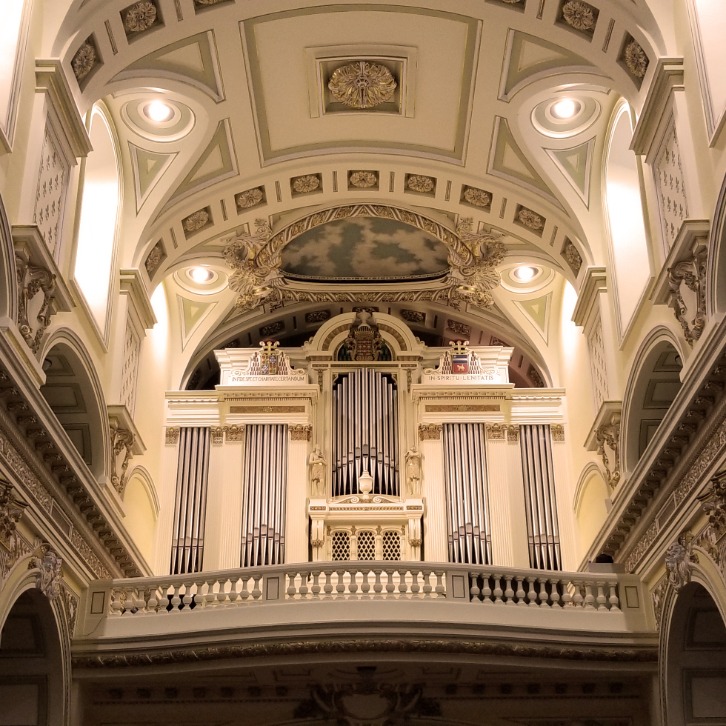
{"points": [[291, 57]]}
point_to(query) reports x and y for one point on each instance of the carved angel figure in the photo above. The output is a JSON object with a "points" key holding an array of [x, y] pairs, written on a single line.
{"points": [[679, 560], [477, 269], [317, 464], [250, 276], [413, 472]]}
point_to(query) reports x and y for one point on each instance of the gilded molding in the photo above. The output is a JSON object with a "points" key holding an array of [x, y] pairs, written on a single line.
{"points": [[362, 84], [429, 432], [300, 432]]}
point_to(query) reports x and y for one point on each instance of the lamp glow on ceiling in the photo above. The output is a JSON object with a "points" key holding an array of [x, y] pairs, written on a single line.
{"points": [[158, 111], [524, 273], [201, 275], [565, 108]]}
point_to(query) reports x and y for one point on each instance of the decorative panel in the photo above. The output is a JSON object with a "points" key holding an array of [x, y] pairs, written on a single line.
{"points": [[51, 191], [130, 369], [671, 187], [597, 364]]}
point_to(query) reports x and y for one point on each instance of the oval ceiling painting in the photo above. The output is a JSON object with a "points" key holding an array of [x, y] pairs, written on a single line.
{"points": [[365, 249]]}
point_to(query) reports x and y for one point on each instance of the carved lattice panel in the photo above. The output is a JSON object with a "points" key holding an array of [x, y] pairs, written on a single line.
{"points": [[51, 192], [671, 186], [340, 546], [366, 545], [597, 365], [391, 545], [129, 371]]}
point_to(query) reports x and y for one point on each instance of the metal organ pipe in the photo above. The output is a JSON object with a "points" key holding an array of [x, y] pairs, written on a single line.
{"points": [[190, 505], [263, 507], [466, 490], [539, 492], [365, 434]]}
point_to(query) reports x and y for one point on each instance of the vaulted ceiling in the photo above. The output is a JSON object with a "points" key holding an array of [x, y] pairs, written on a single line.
{"points": [[463, 126]]}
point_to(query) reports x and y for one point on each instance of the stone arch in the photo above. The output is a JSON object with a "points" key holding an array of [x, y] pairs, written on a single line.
{"points": [[653, 385], [141, 505], [716, 265], [73, 391], [34, 651], [693, 656], [8, 277], [590, 504]]}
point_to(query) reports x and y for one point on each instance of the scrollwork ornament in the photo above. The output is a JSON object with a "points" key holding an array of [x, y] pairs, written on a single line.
{"points": [[692, 274], [679, 561], [362, 84], [32, 281], [11, 511]]}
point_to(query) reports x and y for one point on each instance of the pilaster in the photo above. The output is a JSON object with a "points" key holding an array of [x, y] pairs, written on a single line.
{"points": [[435, 515]]}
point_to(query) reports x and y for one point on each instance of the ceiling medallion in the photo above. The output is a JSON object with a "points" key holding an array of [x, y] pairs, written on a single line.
{"points": [[635, 59], [477, 197], [362, 84], [249, 198], [84, 60], [306, 183], [420, 183], [139, 17], [194, 222], [530, 219], [363, 179], [579, 15]]}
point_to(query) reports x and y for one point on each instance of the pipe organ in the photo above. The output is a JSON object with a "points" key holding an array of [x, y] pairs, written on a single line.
{"points": [[365, 444], [365, 432]]}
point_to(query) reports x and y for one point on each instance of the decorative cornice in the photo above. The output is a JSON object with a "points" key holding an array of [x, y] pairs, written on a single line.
{"points": [[140, 308], [51, 80], [668, 77], [594, 282]]}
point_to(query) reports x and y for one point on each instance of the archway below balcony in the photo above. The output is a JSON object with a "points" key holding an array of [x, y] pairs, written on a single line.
{"points": [[695, 667], [73, 392], [32, 691], [653, 386]]}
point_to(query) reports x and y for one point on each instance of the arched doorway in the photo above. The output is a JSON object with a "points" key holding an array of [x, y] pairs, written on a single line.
{"points": [[32, 690], [695, 668]]}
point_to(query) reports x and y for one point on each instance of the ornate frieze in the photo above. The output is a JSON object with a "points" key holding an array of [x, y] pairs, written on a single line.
{"points": [[154, 259], [250, 198], [362, 84], [476, 197], [429, 432], [139, 17], [580, 16], [363, 179], [530, 219], [687, 291], [196, 221]]}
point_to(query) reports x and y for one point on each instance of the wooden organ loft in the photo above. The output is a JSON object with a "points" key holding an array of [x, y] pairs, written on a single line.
{"points": [[365, 444]]}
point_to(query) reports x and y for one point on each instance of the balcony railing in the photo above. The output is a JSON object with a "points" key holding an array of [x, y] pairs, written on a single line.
{"points": [[520, 597]]}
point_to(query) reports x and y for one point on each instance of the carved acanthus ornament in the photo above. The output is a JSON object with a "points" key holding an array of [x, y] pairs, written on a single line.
{"points": [[362, 84], [36, 287], [253, 275], [679, 560], [256, 259], [608, 448], [475, 269], [49, 563], [11, 510], [122, 443], [690, 273], [713, 503], [429, 432]]}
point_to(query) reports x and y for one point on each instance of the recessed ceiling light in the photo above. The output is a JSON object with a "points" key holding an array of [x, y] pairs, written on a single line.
{"points": [[158, 111], [201, 275], [565, 108], [524, 273]]}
